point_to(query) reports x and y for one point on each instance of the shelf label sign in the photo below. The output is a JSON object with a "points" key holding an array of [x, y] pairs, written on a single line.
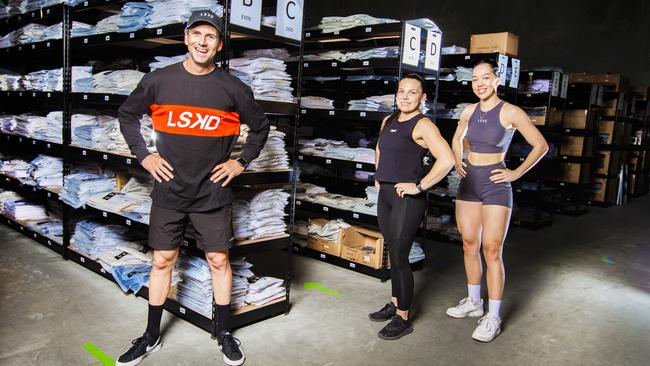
{"points": [[503, 67], [289, 23], [516, 68], [565, 86], [555, 84], [411, 47], [247, 13], [432, 58]]}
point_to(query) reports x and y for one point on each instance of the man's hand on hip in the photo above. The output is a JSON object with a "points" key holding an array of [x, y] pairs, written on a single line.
{"points": [[228, 170], [158, 167]]}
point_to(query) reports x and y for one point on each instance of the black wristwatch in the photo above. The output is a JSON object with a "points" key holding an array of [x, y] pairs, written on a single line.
{"points": [[419, 187], [242, 162]]}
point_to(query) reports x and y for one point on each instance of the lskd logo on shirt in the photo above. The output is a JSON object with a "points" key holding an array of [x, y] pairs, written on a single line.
{"points": [[195, 121]]}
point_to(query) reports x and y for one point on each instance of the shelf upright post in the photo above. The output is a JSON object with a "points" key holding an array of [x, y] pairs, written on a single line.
{"points": [[67, 128]]}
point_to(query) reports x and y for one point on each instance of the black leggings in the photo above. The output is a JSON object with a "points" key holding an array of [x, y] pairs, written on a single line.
{"points": [[399, 220]]}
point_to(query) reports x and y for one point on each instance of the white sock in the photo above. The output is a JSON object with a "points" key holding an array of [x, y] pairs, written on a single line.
{"points": [[474, 291], [494, 309]]}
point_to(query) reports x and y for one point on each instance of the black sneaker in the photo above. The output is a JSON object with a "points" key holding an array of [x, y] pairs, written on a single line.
{"points": [[396, 329], [386, 313], [231, 349], [141, 348]]}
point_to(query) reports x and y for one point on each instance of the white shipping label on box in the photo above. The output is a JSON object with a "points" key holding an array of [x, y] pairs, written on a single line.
{"points": [[565, 86], [411, 45], [432, 58], [247, 13], [289, 23], [555, 84], [503, 66], [516, 68]]}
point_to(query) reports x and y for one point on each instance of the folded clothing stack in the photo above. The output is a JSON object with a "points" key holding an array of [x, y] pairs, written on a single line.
{"points": [[273, 156], [133, 16], [116, 81], [162, 61], [79, 187], [92, 238], [47, 171], [129, 266], [262, 216], [316, 102], [332, 24], [336, 150], [51, 227], [264, 290], [380, 52], [165, 12], [99, 132], [354, 204], [108, 24], [266, 76], [133, 201], [327, 232], [22, 210], [377, 103]]}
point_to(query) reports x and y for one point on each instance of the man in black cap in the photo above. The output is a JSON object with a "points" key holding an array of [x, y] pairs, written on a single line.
{"points": [[197, 109]]}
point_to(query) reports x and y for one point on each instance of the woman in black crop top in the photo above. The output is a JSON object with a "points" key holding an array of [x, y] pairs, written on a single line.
{"points": [[404, 140], [484, 200]]}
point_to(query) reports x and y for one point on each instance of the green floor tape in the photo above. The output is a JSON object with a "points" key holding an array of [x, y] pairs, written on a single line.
{"points": [[101, 356], [317, 286]]}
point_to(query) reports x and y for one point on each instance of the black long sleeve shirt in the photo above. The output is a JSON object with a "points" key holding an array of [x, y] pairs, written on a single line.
{"points": [[196, 119]]}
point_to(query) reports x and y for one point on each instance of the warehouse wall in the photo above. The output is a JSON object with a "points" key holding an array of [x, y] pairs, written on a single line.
{"points": [[580, 35]]}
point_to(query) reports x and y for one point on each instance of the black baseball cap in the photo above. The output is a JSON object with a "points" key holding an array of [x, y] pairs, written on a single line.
{"points": [[205, 16]]}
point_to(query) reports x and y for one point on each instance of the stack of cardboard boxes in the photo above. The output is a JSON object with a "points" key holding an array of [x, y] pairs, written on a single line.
{"points": [[355, 244]]}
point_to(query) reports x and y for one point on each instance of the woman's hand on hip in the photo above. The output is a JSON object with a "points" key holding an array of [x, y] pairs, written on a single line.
{"points": [[504, 175], [403, 189], [460, 168]]}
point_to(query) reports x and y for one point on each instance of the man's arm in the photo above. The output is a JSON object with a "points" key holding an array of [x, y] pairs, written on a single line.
{"points": [[129, 116], [252, 115]]}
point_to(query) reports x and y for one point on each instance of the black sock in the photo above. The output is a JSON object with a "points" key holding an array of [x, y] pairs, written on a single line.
{"points": [[153, 324], [223, 319]]}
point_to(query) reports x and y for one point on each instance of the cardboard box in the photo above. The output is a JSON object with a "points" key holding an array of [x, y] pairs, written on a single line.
{"points": [[324, 246], [575, 172], [609, 162], [544, 116], [576, 146], [617, 81], [604, 190], [576, 119], [363, 246], [606, 132], [504, 42], [609, 107]]}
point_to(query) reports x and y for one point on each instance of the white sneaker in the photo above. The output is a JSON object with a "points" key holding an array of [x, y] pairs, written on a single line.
{"points": [[466, 307], [488, 328]]}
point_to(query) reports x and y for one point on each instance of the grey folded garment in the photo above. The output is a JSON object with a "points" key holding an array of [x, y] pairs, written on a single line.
{"points": [[330, 24], [329, 231]]}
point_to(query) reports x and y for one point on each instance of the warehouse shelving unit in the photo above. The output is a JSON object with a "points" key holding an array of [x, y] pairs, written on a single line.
{"points": [[532, 196], [334, 123], [578, 131], [140, 46], [639, 167]]}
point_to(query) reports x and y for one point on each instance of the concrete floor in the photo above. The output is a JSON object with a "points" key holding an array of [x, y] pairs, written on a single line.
{"points": [[577, 293]]}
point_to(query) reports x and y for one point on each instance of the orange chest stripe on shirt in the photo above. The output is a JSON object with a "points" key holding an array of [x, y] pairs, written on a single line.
{"points": [[195, 121]]}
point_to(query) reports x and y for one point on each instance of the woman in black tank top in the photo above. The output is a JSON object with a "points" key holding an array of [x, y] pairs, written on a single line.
{"points": [[484, 199], [404, 140]]}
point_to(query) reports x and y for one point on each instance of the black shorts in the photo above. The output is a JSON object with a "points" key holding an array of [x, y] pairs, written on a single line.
{"points": [[477, 186], [212, 229]]}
